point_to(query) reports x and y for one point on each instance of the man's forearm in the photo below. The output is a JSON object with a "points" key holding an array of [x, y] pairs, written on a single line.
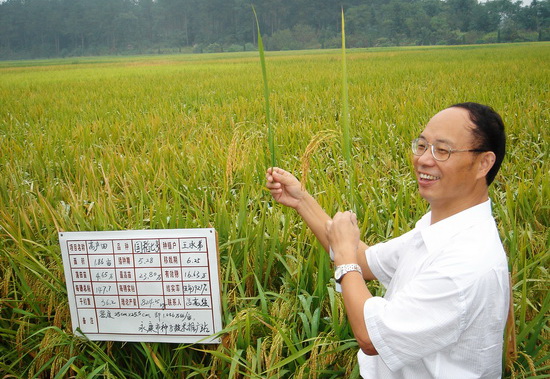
{"points": [[315, 218], [355, 294]]}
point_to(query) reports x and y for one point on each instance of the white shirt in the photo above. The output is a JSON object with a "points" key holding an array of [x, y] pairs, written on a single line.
{"points": [[446, 301]]}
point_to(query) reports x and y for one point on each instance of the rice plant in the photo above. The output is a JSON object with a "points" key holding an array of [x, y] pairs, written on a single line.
{"points": [[179, 142], [270, 132]]}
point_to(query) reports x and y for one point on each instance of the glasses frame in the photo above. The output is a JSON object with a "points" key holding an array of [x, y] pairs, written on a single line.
{"points": [[432, 149]]}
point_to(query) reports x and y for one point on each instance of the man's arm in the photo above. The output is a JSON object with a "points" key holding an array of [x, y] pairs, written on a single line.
{"points": [[343, 235], [287, 190]]}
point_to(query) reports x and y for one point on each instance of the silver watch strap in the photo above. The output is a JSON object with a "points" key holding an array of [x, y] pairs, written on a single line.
{"points": [[348, 268]]}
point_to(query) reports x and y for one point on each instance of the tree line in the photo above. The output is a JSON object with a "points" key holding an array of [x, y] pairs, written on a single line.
{"points": [[50, 28]]}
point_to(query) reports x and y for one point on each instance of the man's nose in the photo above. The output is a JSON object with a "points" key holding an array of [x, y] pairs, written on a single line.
{"points": [[426, 158]]}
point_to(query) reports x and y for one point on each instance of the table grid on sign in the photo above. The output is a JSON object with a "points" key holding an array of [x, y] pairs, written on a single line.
{"points": [[115, 276]]}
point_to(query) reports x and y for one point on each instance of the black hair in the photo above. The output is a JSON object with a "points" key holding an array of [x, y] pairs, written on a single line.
{"points": [[489, 130]]}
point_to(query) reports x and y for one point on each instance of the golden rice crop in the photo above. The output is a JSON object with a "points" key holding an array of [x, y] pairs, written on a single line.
{"points": [[181, 142]]}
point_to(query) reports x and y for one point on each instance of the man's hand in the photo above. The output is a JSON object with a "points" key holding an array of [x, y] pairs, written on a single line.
{"points": [[343, 237], [284, 187]]}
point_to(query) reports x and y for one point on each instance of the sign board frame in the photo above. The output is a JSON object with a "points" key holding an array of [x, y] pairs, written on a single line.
{"points": [[144, 285]]}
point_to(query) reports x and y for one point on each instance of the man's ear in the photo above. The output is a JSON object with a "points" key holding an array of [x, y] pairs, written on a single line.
{"points": [[486, 162]]}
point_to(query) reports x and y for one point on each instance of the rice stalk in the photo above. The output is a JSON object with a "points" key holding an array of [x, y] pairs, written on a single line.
{"points": [[238, 153], [270, 132], [275, 352], [510, 336], [61, 315], [232, 156], [345, 122], [104, 153], [328, 351], [315, 142]]}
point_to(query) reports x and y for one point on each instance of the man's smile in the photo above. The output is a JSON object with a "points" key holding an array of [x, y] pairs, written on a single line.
{"points": [[424, 176]]}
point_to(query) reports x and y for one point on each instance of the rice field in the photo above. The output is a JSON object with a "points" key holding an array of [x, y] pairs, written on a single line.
{"points": [[181, 142]]}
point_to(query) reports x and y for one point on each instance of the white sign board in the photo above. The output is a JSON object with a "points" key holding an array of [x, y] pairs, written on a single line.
{"points": [[143, 285]]}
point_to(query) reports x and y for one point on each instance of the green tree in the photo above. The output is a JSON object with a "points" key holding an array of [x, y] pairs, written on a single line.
{"points": [[58, 27], [460, 14]]}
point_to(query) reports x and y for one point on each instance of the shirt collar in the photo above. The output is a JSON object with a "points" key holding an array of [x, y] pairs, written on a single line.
{"points": [[436, 236]]}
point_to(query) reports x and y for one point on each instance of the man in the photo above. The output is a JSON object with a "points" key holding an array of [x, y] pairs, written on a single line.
{"points": [[447, 287]]}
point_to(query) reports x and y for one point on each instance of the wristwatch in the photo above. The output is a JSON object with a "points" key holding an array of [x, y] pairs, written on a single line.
{"points": [[344, 269]]}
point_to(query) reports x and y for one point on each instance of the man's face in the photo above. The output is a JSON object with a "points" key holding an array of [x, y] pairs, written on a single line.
{"points": [[451, 183]]}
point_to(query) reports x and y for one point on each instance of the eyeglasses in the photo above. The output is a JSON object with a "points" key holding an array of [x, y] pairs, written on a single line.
{"points": [[440, 150]]}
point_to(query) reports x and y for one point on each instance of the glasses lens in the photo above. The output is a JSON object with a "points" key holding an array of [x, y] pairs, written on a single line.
{"points": [[442, 152], [419, 146]]}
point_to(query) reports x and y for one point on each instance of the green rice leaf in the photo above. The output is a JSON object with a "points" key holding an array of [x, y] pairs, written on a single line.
{"points": [[345, 120], [270, 133]]}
